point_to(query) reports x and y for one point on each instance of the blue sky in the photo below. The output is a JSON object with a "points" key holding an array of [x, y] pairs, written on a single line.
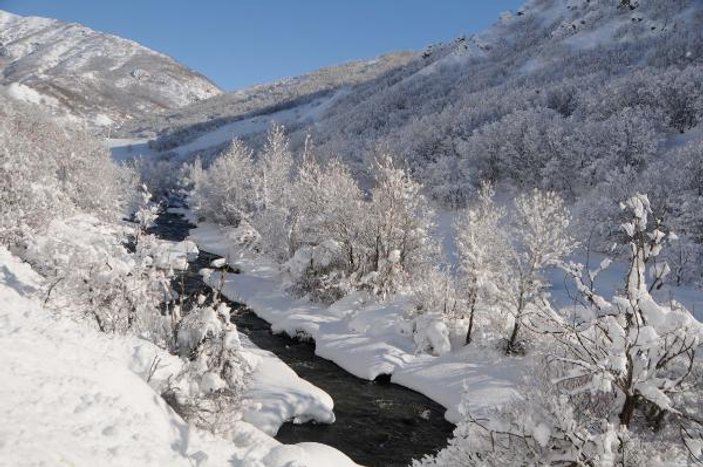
{"points": [[242, 42]]}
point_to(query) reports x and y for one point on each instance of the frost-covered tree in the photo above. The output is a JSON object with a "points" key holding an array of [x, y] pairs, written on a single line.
{"points": [[226, 191], [484, 249], [272, 217], [274, 166], [397, 237], [48, 170], [328, 224], [641, 351], [540, 231]]}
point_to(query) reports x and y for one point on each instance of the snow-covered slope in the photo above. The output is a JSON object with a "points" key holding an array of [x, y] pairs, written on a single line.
{"points": [[89, 74], [184, 124], [73, 396]]}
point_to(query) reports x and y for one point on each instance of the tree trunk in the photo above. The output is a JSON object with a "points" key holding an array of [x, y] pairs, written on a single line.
{"points": [[510, 348], [472, 310], [471, 327], [628, 409]]}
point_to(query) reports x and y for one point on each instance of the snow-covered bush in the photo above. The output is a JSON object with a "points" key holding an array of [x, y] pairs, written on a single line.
{"points": [[327, 223], [208, 391], [92, 272], [48, 171]]}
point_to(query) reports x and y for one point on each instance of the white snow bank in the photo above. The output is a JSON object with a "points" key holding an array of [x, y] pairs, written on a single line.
{"points": [[174, 255], [278, 395], [487, 380], [71, 395]]}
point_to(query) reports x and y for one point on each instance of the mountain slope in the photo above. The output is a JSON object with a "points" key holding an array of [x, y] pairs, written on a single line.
{"points": [[183, 124], [594, 99], [88, 74]]}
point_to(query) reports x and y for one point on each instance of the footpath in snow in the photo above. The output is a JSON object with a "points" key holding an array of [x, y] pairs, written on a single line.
{"points": [[72, 395], [361, 336]]}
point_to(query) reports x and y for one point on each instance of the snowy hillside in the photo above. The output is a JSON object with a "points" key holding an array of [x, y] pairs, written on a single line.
{"points": [[182, 125], [88, 74], [94, 398]]}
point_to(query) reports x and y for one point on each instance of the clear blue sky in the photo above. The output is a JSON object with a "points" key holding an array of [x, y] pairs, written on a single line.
{"points": [[241, 42]]}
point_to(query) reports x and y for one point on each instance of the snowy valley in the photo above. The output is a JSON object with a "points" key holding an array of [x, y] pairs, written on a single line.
{"points": [[487, 252]]}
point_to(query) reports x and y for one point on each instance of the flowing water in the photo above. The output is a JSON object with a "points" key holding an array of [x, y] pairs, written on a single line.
{"points": [[378, 423]]}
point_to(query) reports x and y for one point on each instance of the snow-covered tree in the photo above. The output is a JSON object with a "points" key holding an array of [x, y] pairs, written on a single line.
{"points": [[273, 214], [226, 191], [397, 237], [540, 231], [484, 250], [639, 350]]}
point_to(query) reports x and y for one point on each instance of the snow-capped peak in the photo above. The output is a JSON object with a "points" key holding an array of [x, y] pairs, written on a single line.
{"points": [[93, 74]]}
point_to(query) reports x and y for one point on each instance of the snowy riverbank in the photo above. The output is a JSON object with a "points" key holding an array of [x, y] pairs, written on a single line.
{"points": [[73, 395], [362, 336]]}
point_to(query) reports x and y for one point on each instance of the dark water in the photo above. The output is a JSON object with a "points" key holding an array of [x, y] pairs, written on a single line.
{"points": [[378, 423]]}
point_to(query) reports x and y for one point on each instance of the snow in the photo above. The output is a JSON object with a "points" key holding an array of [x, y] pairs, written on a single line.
{"points": [[122, 149], [305, 113], [278, 395], [24, 93], [174, 255], [362, 336], [488, 380], [71, 395]]}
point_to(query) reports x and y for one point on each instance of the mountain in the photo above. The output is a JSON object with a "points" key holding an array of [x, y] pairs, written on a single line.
{"points": [[85, 74], [426, 107], [263, 101]]}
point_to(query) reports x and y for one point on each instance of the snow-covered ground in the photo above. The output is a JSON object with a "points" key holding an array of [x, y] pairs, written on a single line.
{"points": [[368, 339], [360, 335], [303, 113], [123, 149], [277, 395], [71, 395]]}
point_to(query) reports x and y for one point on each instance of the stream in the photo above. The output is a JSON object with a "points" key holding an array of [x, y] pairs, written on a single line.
{"points": [[378, 423]]}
